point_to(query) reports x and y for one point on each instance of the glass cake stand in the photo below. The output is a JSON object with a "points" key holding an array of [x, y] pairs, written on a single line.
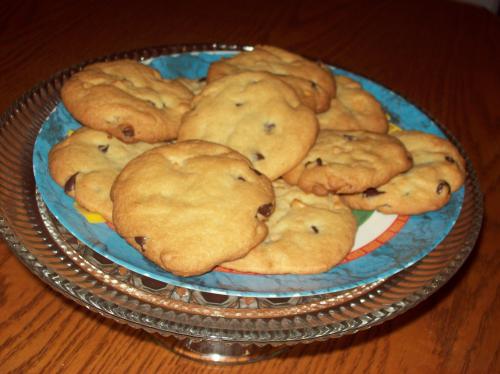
{"points": [[214, 328]]}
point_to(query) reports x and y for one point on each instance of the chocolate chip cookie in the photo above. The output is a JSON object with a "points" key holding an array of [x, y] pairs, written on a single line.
{"points": [[86, 164], [349, 162], [256, 114], [353, 109], [192, 205], [313, 83], [438, 170], [127, 99], [307, 234]]}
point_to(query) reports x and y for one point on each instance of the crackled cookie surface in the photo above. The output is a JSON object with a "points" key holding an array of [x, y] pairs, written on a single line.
{"points": [[191, 205], [307, 234], [313, 83], [349, 162], [438, 170], [257, 115], [86, 164], [127, 99], [353, 109]]}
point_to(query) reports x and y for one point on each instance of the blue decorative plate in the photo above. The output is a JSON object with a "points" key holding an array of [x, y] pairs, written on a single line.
{"points": [[385, 244]]}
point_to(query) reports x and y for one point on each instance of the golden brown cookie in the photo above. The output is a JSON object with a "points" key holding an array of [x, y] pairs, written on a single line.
{"points": [[256, 114], [128, 100], [349, 162], [191, 205], [353, 109], [86, 164], [438, 170], [193, 85], [307, 234], [313, 83]]}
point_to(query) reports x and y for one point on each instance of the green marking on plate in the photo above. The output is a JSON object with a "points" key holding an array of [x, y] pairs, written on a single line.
{"points": [[362, 215]]}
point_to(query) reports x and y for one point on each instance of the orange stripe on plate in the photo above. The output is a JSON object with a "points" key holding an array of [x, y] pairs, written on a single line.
{"points": [[383, 238]]}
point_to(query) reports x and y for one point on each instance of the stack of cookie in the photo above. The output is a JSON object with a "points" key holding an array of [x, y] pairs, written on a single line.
{"points": [[254, 168]]}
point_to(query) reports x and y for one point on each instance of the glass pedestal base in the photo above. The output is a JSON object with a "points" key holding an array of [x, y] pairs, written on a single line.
{"points": [[221, 353]]}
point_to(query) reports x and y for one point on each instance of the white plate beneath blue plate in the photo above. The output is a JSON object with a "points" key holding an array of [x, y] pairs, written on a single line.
{"points": [[385, 244]]}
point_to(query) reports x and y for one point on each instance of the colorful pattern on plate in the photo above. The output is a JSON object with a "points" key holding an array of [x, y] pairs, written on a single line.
{"points": [[418, 237]]}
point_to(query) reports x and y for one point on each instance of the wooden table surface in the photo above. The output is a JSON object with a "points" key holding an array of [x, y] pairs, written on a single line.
{"points": [[443, 56]]}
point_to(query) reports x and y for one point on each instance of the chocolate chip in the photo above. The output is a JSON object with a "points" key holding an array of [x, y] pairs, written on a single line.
{"points": [[238, 104], [370, 192], [449, 159], [318, 162], [202, 79], [265, 209], [256, 171], [314, 85], [141, 240], [315, 229], [128, 131], [70, 183], [442, 184], [258, 156], [349, 137], [269, 127], [103, 148], [242, 179]]}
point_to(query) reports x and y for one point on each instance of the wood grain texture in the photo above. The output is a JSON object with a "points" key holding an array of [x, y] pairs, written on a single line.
{"points": [[443, 56]]}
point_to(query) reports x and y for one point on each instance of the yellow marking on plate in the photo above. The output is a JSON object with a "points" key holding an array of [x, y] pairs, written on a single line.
{"points": [[394, 128], [91, 217]]}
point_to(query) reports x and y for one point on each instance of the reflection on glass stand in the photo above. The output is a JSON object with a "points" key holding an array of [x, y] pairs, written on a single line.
{"points": [[221, 353]]}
